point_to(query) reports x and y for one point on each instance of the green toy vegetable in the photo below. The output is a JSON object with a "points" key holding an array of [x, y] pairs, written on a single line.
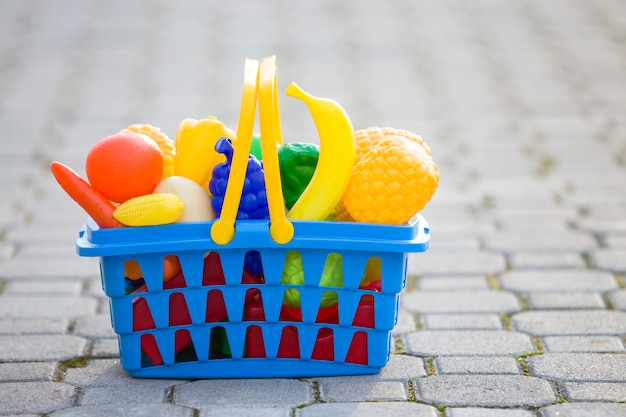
{"points": [[297, 163]]}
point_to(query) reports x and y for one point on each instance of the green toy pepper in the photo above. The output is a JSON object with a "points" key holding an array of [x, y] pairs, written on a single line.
{"points": [[297, 162]]}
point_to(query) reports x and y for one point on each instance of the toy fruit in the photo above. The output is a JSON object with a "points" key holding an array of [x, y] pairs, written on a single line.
{"points": [[196, 201], [150, 210], [297, 164], [336, 158], [293, 274], [165, 144], [195, 148], [124, 165], [253, 203], [391, 183]]}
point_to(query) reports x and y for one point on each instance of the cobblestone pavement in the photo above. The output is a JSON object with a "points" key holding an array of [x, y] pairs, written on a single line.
{"points": [[517, 310]]}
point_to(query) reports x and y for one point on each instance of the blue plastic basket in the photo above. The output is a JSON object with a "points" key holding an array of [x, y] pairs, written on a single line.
{"points": [[224, 348]]}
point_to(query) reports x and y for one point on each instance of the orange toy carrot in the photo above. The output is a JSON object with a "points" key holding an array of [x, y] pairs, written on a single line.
{"points": [[91, 200]]}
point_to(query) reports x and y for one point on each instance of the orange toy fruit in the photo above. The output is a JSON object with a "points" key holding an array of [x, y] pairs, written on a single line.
{"points": [[124, 165], [391, 182], [165, 144]]}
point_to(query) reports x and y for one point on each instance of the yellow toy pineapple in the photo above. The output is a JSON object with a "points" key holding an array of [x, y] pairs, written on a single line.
{"points": [[392, 181]]}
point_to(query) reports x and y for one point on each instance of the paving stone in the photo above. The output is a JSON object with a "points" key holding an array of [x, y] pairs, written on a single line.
{"points": [[109, 373], [27, 371], [462, 322], [546, 260], [105, 348], [588, 322], [285, 392], [584, 410], [44, 287], [110, 410], [453, 283], [558, 280], [487, 412], [18, 326], [464, 263], [95, 327], [361, 389], [463, 343], [615, 241], [24, 269], [610, 259], [41, 348], [562, 367], [594, 391], [130, 394], [368, 409], [251, 411], [460, 302], [46, 307], [475, 365], [618, 299], [35, 397], [564, 300], [485, 390], [401, 368], [583, 344], [560, 241]]}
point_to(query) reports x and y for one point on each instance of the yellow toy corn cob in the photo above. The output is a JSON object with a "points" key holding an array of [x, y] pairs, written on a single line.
{"points": [[150, 210], [166, 145]]}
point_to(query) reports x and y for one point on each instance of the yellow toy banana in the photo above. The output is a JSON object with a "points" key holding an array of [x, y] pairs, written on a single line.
{"points": [[336, 159]]}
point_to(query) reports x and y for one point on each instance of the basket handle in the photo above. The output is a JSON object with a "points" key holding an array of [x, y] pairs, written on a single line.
{"points": [[281, 229]]}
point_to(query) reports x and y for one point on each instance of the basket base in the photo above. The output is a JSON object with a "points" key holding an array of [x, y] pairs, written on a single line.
{"points": [[254, 368]]}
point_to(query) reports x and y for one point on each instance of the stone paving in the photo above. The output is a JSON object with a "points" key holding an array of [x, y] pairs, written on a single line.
{"points": [[517, 310]]}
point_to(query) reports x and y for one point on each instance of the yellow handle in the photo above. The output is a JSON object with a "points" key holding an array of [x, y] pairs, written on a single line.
{"points": [[223, 230], [281, 229]]}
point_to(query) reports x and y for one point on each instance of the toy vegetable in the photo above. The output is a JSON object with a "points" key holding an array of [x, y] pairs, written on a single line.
{"points": [[195, 148], [297, 165]]}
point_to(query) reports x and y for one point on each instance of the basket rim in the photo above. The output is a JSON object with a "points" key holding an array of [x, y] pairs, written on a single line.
{"points": [[411, 237]]}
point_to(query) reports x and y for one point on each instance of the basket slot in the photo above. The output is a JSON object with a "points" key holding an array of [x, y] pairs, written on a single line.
{"points": [[219, 347], [372, 272], [255, 346], [142, 317], [328, 314], [365, 313], [358, 351], [215, 307], [289, 346], [179, 312], [253, 262], [184, 348], [150, 348], [253, 310], [213, 273], [323, 348]]}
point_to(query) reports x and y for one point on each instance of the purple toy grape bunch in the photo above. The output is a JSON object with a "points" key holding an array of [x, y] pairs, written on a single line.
{"points": [[253, 203]]}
